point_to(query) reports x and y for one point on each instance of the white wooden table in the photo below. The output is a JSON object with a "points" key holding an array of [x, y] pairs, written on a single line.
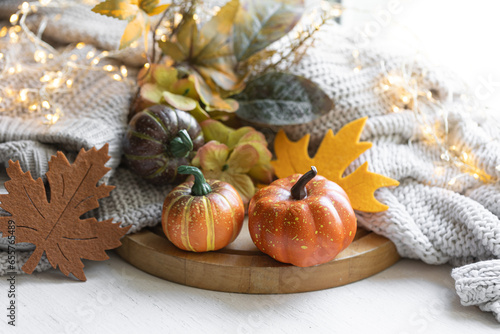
{"points": [[409, 297]]}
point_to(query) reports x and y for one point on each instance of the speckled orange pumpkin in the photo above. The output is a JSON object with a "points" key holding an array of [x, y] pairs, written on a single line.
{"points": [[304, 220], [202, 216]]}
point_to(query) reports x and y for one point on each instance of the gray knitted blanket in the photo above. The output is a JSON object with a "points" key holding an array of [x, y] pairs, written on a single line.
{"points": [[428, 219]]}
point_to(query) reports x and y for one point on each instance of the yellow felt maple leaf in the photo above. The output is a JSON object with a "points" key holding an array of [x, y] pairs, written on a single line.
{"points": [[136, 12], [335, 154]]}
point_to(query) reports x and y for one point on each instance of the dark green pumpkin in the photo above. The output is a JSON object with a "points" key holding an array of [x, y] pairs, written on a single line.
{"points": [[158, 140]]}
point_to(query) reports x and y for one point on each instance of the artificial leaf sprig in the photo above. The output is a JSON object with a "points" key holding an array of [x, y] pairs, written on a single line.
{"points": [[334, 155], [214, 58], [55, 224], [239, 157]]}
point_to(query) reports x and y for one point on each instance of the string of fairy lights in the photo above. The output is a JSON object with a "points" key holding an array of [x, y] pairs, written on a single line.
{"points": [[60, 68], [402, 89], [405, 90]]}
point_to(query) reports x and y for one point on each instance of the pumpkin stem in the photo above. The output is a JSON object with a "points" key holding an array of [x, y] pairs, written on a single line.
{"points": [[299, 188], [200, 186], [181, 145]]}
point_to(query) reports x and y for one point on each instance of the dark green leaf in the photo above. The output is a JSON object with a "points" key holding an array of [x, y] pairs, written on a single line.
{"points": [[282, 99]]}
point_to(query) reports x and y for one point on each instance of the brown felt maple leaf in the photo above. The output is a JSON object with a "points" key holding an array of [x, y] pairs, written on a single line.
{"points": [[55, 224]]}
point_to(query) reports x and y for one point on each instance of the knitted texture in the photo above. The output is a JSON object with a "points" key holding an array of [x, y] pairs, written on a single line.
{"points": [[428, 219]]}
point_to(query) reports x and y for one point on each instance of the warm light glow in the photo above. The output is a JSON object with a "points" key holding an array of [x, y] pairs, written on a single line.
{"points": [[95, 61], [74, 57], [40, 56], [44, 2], [336, 12], [465, 156], [56, 83], [33, 107], [405, 99], [11, 70], [23, 95], [452, 181], [355, 53], [395, 109], [13, 18], [123, 70], [69, 83], [25, 7], [117, 77], [90, 54], [215, 10], [46, 104], [14, 37], [178, 18], [45, 78], [108, 68], [439, 171], [3, 31], [163, 38], [80, 45], [147, 65], [357, 69], [134, 44]]}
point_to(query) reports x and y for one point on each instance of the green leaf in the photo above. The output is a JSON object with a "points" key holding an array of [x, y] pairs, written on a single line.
{"points": [[164, 76], [215, 130], [259, 23], [282, 99], [151, 93], [210, 98], [208, 50], [178, 101], [120, 9], [199, 114]]}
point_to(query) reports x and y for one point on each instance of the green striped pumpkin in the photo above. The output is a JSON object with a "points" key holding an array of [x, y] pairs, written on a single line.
{"points": [[158, 140]]}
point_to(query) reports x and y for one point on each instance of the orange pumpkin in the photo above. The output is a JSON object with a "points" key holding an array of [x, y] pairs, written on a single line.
{"points": [[304, 220], [202, 216]]}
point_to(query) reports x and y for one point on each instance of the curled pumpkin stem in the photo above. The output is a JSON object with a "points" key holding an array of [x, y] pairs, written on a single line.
{"points": [[200, 186], [181, 145], [299, 190]]}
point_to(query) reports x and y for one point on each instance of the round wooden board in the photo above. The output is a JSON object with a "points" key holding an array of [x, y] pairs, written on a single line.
{"points": [[241, 267]]}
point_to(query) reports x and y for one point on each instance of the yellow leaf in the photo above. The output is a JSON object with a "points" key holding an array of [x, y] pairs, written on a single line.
{"points": [[134, 11], [133, 31], [334, 155], [158, 10], [120, 9]]}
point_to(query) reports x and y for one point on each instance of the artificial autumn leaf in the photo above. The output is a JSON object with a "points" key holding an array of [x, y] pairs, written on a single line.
{"points": [[334, 155], [281, 99], [259, 23], [54, 224], [208, 54], [162, 84], [218, 162], [261, 171], [134, 11]]}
